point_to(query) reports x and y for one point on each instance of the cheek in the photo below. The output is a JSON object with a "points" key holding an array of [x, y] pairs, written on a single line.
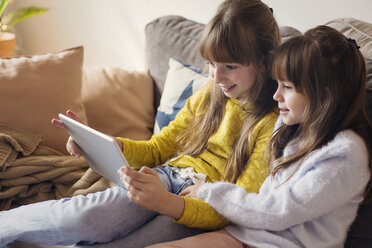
{"points": [[300, 106], [248, 80], [211, 71], [249, 77]]}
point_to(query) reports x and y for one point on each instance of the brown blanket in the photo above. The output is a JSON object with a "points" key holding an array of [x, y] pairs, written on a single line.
{"points": [[31, 173]]}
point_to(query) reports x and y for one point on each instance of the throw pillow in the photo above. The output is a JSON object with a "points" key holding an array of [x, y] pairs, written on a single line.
{"points": [[119, 102], [356, 29], [35, 89], [181, 82]]}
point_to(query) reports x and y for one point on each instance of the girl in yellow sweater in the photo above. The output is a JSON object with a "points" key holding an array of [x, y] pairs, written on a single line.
{"points": [[220, 134]]}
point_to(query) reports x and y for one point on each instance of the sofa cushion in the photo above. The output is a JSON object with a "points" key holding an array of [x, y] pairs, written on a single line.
{"points": [[119, 102], [287, 32], [356, 29], [35, 89], [171, 37], [181, 82]]}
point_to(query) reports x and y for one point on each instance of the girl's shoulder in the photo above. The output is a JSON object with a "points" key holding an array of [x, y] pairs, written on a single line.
{"points": [[345, 156], [347, 145], [348, 141]]}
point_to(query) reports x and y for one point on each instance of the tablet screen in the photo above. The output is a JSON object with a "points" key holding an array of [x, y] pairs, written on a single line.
{"points": [[101, 151]]}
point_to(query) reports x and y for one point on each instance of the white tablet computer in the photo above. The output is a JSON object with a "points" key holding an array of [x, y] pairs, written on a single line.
{"points": [[101, 152]]}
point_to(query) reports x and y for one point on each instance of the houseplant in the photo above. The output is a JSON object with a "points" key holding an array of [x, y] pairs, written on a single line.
{"points": [[10, 18]]}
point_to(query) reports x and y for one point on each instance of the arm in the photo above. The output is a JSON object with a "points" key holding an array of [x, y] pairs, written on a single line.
{"points": [[161, 147], [329, 179], [145, 189], [199, 214]]}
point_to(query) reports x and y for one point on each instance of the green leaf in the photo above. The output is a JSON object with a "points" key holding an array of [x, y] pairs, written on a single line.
{"points": [[16, 16], [3, 5]]}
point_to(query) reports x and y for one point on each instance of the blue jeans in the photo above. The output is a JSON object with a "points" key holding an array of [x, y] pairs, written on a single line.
{"points": [[96, 217]]}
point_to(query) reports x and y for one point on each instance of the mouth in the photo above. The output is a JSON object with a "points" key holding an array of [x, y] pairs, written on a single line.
{"points": [[283, 111], [227, 88]]}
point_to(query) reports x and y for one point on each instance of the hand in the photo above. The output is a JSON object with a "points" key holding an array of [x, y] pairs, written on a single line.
{"points": [[190, 191], [145, 189], [71, 146]]}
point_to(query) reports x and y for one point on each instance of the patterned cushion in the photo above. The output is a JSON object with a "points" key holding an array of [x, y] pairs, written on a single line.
{"points": [[181, 82]]}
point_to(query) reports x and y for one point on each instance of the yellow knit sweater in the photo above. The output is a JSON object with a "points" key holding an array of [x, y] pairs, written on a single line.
{"points": [[211, 162]]}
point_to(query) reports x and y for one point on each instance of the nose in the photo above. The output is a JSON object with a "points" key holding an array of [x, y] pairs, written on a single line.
{"points": [[217, 74], [277, 95]]}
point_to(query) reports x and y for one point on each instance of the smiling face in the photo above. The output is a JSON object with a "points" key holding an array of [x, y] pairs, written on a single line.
{"points": [[290, 102], [234, 79]]}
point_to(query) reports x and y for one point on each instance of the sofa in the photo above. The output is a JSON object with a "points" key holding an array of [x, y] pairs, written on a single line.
{"points": [[117, 102]]}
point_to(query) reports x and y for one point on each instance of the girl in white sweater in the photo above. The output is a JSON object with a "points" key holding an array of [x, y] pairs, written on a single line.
{"points": [[320, 154]]}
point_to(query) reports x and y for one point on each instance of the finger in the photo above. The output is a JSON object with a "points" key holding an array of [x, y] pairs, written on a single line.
{"points": [[57, 123], [134, 184], [120, 170], [132, 196], [185, 191], [130, 183], [73, 148], [147, 170], [72, 115], [135, 191], [137, 175], [123, 171]]}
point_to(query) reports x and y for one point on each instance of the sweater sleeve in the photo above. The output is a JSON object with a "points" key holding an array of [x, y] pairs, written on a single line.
{"points": [[161, 147], [199, 214], [333, 176]]}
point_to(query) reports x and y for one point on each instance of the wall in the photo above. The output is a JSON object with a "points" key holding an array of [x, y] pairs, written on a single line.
{"points": [[112, 31]]}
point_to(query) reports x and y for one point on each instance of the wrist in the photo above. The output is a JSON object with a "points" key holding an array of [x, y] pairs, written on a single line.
{"points": [[174, 207]]}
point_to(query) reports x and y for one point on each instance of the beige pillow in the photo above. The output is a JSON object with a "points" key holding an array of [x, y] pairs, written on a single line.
{"points": [[182, 82], [35, 89], [119, 102], [356, 29]]}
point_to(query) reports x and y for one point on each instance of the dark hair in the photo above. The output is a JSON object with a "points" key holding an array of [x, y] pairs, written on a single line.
{"points": [[244, 32], [329, 70]]}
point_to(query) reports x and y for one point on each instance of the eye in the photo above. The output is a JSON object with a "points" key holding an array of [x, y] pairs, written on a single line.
{"points": [[231, 67], [288, 85], [285, 85]]}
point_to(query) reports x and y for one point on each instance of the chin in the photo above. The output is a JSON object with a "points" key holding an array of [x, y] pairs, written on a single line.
{"points": [[228, 95], [291, 123]]}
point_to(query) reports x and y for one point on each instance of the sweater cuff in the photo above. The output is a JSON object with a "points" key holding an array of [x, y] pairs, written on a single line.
{"points": [[203, 191], [188, 217]]}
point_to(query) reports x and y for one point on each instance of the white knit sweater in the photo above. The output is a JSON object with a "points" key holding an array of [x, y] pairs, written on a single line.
{"points": [[313, 209]]}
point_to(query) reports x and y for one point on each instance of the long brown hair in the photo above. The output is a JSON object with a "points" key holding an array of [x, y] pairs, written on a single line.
{"points": [[329, 70], [244, 32]]}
